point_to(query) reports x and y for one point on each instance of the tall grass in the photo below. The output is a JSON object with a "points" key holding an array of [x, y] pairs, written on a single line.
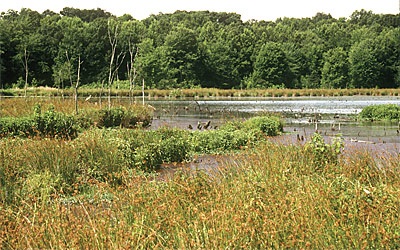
{"points": [[96, 92], [272, 196]]}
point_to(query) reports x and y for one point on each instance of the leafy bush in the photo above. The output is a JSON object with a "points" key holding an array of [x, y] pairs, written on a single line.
{"points": [[146, 150], [219, 141], [321, 153], [381, 112], [111, 117], [49, 124], [268, 125], [122, 117]]}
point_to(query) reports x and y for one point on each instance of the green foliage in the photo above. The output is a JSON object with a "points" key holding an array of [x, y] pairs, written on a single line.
{"points": [[147, 150], [382, 112], [336, 69], [322, 154], [271, 67], [122, 117], [269, 125], [201, 48], [49, 124]]}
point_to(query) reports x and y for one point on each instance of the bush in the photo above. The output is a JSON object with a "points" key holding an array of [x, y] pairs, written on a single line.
{"points": [[147, 150], [322, 154], [122, 117], [50, 124], [220, 141], [381, 112], [268, 125]]}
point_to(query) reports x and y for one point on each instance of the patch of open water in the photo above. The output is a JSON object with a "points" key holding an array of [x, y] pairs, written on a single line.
{"points": [[330, 116]]}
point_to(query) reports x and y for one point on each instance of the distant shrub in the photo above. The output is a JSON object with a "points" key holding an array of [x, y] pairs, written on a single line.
{"points": [[381, 112], [219, 141]]}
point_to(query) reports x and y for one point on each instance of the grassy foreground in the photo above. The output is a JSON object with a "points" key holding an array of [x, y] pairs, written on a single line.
{"points": [[92, 192], [276, 196]]}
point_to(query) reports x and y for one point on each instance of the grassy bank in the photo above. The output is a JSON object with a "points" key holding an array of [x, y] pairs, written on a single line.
{"points": [[276, 196], [201, 92]]}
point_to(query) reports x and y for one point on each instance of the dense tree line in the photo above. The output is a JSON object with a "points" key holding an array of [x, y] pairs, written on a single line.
{"points": [[207, 49]]}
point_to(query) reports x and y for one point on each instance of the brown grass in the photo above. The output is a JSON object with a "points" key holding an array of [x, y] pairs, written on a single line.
{"points": [[271, 198], [207, 92]]}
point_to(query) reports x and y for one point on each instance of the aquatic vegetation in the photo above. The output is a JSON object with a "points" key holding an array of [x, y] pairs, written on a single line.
{"points": [[382, 112]]}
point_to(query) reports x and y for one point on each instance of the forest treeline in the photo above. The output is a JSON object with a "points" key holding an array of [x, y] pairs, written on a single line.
{"points": [[198, 49]]}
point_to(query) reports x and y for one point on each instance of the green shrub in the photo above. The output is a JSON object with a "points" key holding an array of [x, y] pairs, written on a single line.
{"points": [[381, 112], [122, 117], [322, 154], [268, 125], [49, 124], [147, 150], [220, 141], [111, 117]]}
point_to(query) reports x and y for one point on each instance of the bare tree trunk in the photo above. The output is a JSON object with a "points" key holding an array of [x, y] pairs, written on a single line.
{"points": [[113, 42], [77, 84], [131, 71], [109, 96], [101, 93], [26, 56], [143, 90]]}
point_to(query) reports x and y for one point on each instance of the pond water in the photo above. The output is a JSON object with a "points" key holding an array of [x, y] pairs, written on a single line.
{"points": [[328, 115]]}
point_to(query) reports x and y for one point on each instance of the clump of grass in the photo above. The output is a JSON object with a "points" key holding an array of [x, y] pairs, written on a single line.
{"points": [[123, 117]]}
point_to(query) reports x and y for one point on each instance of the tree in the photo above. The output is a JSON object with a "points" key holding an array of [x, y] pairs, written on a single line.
{"points": [[182, 52], [152, 64], [365, 70], [27, 40], [335, 70], [132, 34], [69, 58], [271, 68], [116, 59], [226, 54]]}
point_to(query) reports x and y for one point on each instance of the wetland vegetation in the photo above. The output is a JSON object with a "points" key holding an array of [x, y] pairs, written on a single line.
{"points": [[98, 189], [81, 174]]}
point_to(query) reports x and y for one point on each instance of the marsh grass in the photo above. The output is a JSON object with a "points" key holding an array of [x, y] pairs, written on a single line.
{"points": [[272, 197], [84, 193], [95, 92]]}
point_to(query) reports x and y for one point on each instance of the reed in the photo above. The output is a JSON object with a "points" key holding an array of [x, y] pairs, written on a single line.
{"points": [[271, 196], [97, 92]]}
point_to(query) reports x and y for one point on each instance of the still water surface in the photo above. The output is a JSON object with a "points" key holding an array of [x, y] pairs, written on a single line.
{"points": [[302, 115], [330, 116]]}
